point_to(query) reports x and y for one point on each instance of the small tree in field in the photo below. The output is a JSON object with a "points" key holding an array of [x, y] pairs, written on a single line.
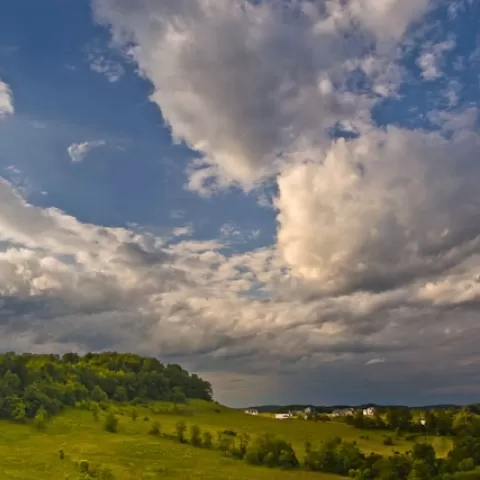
{"points": [[111, 423], [181, 428], [155, 430], [40, 420], [207, 440], [178, 396], [195, 436]]}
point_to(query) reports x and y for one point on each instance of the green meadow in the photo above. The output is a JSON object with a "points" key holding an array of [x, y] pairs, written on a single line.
{"points": [[132, 454]]}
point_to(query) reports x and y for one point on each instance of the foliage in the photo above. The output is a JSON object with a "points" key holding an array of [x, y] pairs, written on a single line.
{"points": [[207, 440], [195, 437], [111, 423], [335, 456], [181, 428], [40, 420], [271, 451], [29, 382], [155, 429]]}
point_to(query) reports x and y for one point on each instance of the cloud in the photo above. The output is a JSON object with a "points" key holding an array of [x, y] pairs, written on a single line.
{"points": [[377, 250], [66, 285], [114, 71], [385, 209], [431, 59], [78, 151], [6, 100], [255, 87]]}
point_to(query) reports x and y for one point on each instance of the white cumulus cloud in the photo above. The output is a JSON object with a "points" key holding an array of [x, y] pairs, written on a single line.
{"points": [[6, 100], [78, 151]]}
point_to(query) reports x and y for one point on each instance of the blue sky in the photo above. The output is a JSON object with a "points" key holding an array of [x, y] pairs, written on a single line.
{"points": [[265, 192], [59, 100]]}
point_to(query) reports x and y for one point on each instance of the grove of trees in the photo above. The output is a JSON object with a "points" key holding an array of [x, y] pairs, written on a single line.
{"points": [[29, 382]]}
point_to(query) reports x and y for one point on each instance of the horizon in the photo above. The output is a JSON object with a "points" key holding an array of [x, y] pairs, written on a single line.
{"points": [[279, 195]]}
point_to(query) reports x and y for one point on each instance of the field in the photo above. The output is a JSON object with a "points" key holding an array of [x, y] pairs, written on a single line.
{"points": [[132, 454]]}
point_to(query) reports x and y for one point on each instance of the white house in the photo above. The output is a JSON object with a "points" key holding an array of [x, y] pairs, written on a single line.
{"points": [[283, 416], [343, 412], [251, 411], [369, 412]]}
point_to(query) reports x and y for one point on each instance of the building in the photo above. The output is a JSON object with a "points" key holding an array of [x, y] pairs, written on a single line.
{"points": [[283, 416], [309, 411], [343, 412], [369, 412], [251, 411]]}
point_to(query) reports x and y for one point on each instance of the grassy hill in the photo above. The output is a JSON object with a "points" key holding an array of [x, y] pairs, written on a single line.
{"points": [[133, 454]]}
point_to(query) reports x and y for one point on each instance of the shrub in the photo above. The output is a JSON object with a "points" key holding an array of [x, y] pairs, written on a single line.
{"points": [[83, 466], [271, 451], [180, 429], [95, 411], [388, 440], [155, 429], [195, 436], [467, 465], [269, 460], [207, 440], [146, 419], [40, 420], [61, 454], [134, 414], [111, 423], [101, 473]]}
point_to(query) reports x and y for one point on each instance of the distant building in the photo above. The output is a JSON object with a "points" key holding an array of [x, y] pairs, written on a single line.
{"points": [[369, 412], [343, 412], [251, 411], [283, 416], [309, 410]]}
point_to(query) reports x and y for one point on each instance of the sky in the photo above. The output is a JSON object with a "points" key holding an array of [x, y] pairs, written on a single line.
{"points": [[280, 195]]}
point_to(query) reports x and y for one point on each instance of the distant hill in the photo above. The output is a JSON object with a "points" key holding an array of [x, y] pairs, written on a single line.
{"points": [[31, 382]]}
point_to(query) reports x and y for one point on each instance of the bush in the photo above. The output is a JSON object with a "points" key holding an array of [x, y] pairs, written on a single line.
{"points": [[40, 420], [388, 440], [207, 440], [101, 473], [134, 414], [195, 436], [111, 423], [467, 465], [271, 451], [180, 429], [83, 466], [155, 429], [61, 454]]}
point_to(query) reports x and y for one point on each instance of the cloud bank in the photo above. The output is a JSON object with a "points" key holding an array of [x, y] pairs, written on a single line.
{"points": [[372, 283]]}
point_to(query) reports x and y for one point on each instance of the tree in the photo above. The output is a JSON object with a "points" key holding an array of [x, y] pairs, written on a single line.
{"points": [[178, 396], [207, 440], [40, 420], [195, 437], [181, 428], [155, 429], [98, 395], [111, 423]]}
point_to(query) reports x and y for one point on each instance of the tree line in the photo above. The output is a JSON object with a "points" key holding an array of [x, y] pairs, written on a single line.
{"points": [[442, 422], [30, 382], [333, 455]]}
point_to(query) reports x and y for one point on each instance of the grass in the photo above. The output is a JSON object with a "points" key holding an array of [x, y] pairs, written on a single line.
{"points": [[132, 454]]}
